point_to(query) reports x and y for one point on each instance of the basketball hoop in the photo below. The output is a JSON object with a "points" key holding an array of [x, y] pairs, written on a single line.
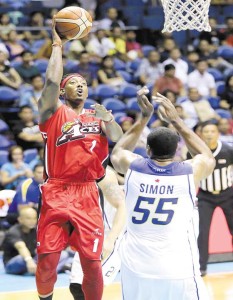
{"points": [[186, 14]]}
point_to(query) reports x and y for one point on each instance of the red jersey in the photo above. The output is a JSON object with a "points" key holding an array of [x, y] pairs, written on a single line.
{"points": [[75, 146]]}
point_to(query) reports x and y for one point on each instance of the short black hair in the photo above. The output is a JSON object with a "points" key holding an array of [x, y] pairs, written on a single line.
{"points": [[209, 122], [169, 67], [39, 164], [163, 143]]}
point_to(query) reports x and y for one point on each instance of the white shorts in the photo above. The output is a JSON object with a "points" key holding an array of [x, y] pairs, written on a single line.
{"points": [[135, 287], [110, 267]]}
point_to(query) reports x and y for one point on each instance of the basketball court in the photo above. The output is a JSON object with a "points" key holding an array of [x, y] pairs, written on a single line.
{"points": [[219, 283]]}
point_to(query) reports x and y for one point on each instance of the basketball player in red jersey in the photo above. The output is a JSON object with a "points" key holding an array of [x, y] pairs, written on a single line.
{"points": [[76, 150]]}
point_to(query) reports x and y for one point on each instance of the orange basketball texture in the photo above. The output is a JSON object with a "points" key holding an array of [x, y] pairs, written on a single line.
{"points": [[73, 22]]}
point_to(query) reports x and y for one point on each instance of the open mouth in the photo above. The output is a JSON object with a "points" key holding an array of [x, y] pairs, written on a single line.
{"points": [[79, 92]]}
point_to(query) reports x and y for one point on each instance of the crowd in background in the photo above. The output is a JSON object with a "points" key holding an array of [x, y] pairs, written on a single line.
{"points": [[115, 59]]}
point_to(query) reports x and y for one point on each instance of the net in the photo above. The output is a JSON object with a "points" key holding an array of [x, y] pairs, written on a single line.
{"points": [[186, 14]]}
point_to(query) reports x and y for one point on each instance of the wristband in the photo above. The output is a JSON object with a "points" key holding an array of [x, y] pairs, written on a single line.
{"points": [[28, 258], [110, 121], [55, 44]]}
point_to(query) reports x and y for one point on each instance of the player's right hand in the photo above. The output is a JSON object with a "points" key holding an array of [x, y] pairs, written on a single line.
{"points": [[146, 107], [56, 38]]}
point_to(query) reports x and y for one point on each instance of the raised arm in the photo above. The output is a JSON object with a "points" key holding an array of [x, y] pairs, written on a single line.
{"points": [[49, 100], [203, 161], [122, 156]]}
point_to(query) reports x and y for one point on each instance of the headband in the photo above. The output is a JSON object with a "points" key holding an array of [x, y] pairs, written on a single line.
{"points": [[64, 81]]}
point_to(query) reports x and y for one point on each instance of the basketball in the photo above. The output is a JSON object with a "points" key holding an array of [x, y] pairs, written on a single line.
{"points": [[73, 22]]}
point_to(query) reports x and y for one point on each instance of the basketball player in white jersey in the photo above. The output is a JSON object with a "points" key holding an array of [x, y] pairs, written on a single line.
{"points": [[159, 251], [114, 219]]}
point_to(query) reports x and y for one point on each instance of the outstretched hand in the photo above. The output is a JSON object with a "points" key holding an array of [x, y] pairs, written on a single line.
{"points": [[166, 110], [146, 107], [102, 113], [55, 36]]}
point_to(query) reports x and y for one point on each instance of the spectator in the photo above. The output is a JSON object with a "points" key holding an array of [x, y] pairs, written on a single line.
{"points": [[86, 69], [111, 20], [180, 65], [209, 54], [169, 82], [150, 69], [14, 46], [227, 96], [99, 45], [229, 32], [215, 36], [27, 194], [8, 75], [197, 109], [107, 74], [165, 49], [192, 58], [5, 26], [133, 48], [226, 134], [31, 96], [39, 159], [119, 50], [27, 69], [78, 46], [214, 191], [19, 245], [36, 20], [16, 170], [26, 130], [202, 80]]}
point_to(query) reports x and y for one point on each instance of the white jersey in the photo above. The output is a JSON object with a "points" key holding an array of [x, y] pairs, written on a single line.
{"points": [[161, 239], [112, 264]]}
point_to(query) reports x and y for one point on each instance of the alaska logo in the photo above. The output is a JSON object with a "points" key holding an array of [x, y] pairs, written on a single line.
{"points": [[77, 130]]}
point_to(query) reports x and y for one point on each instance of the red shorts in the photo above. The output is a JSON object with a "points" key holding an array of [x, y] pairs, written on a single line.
{"points": [[70, 215]]}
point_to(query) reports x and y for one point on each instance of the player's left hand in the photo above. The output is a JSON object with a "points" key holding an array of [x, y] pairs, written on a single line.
{"points": [[102, 113], [107, 248], [146, 107]]}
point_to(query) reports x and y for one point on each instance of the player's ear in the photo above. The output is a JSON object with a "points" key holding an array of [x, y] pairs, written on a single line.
{"points": [[148, 151], [62, 92]]}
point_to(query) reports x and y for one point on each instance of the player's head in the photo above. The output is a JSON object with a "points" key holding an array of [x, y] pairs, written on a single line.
{"points": [[73, 88], [162, 143]]}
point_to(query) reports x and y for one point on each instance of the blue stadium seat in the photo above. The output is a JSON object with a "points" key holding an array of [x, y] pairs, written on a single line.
{"points": [[8, 94], [118, 116], [41, 64], [126, 75], [3, 126], [119, 64], [153, 22], [3, 157], [133, 65], [113, 104], [37, 45], [226, 52], [223, 113], [155, 10], [5, 143], [214, 11], [128, 91], [132, 104], [139, 3], [214, 101], [133, 15], [30, 154], [146, 49], [104, 91], [228, 10], [218, 76], [220, 86], [89, 102]]}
